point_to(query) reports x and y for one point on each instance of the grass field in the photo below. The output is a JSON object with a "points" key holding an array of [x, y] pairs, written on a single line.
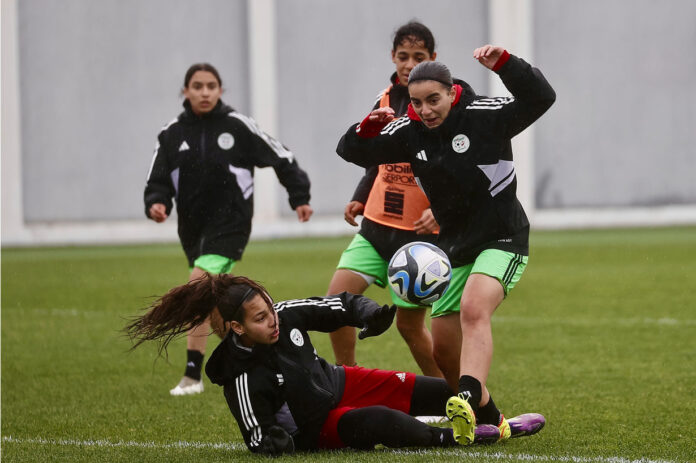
{"points": [[599, 336]]}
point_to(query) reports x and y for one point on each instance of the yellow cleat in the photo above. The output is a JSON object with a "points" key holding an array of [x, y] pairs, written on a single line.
{"points": [[463, 420], [504, 427]]}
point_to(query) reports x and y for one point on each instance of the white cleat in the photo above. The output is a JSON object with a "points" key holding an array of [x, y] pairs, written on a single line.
{"points": [[187, 386], [432, 419]]}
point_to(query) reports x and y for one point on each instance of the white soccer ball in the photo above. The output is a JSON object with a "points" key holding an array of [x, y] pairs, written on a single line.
{"points": [[419, 273]]}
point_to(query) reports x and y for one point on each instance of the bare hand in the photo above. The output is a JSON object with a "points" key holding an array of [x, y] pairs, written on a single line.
{"points": [[353, 209], [426, 224], [304, 212], [158, 212], [488, 55], [382, 115]]}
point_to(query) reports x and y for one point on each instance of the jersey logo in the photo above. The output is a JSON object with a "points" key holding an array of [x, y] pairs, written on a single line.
{"points": [[225, 140], [296, 337], [184, 146], [421, 155], [401, 376], [460, 143]]}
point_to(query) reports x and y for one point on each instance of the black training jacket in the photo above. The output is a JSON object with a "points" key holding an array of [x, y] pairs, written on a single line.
{"points": [[387, 240], [465, 165], [287, 384], [207, 164]]}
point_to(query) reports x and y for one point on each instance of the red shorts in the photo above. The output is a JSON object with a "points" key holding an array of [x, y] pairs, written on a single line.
{"points": [[365, 387]]}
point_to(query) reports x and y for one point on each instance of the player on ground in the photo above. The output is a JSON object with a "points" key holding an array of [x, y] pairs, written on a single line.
{"points": [[283, 396], [396, 212], [459, 147], [205, 159]]}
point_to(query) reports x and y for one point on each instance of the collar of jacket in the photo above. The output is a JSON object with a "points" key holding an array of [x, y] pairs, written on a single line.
{"points": [[220, 109]]}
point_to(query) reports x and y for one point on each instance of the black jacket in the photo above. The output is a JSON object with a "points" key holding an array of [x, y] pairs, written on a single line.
{"points": [[465, 164], [207, 164], [387, 240], [287, 384]]}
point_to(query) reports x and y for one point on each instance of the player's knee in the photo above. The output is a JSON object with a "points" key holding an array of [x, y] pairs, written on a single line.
{"points": [[471, 312]]}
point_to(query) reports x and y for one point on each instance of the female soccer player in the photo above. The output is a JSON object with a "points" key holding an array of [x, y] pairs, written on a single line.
{"points": [[283, 396], [459, 147], [396, 212], [205, 159]]}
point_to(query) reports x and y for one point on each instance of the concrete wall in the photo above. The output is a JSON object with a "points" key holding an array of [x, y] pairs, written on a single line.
{"points": [[620, 134], [87, 85], [97, 82]]}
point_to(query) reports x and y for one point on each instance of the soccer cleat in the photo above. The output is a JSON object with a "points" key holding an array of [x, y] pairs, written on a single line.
{"points": [[187, 386], [526, 424], [427, 419], [504, 428], [486, 434], [463, 420]]}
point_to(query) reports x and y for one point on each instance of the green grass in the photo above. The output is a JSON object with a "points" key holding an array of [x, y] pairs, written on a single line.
{"points": [[598, 336]]}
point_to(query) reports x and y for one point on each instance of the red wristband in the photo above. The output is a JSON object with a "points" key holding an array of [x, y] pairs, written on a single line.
{"points": [[502, 60], [368, 128]]}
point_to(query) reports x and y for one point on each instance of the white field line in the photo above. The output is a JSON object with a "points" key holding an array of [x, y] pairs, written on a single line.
{"points": [[232, 446], [132, 444]]}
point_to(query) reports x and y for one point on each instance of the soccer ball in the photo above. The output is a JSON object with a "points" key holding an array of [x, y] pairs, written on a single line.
{"points": [[419, 273]]}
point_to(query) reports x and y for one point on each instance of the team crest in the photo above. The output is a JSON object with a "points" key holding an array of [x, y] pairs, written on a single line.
{"points": [[296, 337], [460, 143], [225, 140]]}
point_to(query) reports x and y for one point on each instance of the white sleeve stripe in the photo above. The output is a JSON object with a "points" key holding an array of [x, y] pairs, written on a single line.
{"points": [[490, 103], [247, 411], [242, 404], [152, 163], [157, 146], [395, 125], [274, 144], [333, 303]]}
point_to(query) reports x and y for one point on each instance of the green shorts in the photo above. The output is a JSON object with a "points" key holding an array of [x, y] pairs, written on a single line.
{"points": [[506, 267], [361, 257], [215, 264]]}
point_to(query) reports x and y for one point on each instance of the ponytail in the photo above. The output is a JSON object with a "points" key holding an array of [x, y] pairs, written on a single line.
{"points": [[189, 305]]}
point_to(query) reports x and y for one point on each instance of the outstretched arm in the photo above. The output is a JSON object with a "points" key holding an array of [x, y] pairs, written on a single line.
{"points": [[329, 313], [378, 139], [532, 94]]}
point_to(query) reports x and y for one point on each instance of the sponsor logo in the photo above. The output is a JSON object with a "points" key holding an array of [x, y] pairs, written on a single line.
{"points": [[421, 155], [225, 140], [184, 146], [401, 376], [296, 337], [460, 143]]}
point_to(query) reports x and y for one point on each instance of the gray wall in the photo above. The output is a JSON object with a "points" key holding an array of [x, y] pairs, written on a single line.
{"points": [[621, 132], [334, 58], [98, 80]]}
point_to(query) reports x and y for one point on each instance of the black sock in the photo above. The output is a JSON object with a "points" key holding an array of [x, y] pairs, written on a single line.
{"points": [[470, 388], [363, 428], [194, 364], [488, 414]]}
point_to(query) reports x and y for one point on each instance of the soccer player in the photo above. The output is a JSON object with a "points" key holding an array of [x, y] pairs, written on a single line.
{"points": [[283, 396], [459, 147], [205, 159], [396, 212]]}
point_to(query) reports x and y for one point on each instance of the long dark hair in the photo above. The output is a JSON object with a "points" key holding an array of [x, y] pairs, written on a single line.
{"points": [[188, 305]]}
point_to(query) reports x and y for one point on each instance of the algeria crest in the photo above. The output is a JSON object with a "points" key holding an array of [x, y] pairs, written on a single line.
{"points": [[225, 140], [296, 337], [460, 143]]}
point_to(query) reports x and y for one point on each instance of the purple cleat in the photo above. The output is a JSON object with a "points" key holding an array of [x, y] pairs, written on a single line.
{"points": [[486, 434], [526, 424]]}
